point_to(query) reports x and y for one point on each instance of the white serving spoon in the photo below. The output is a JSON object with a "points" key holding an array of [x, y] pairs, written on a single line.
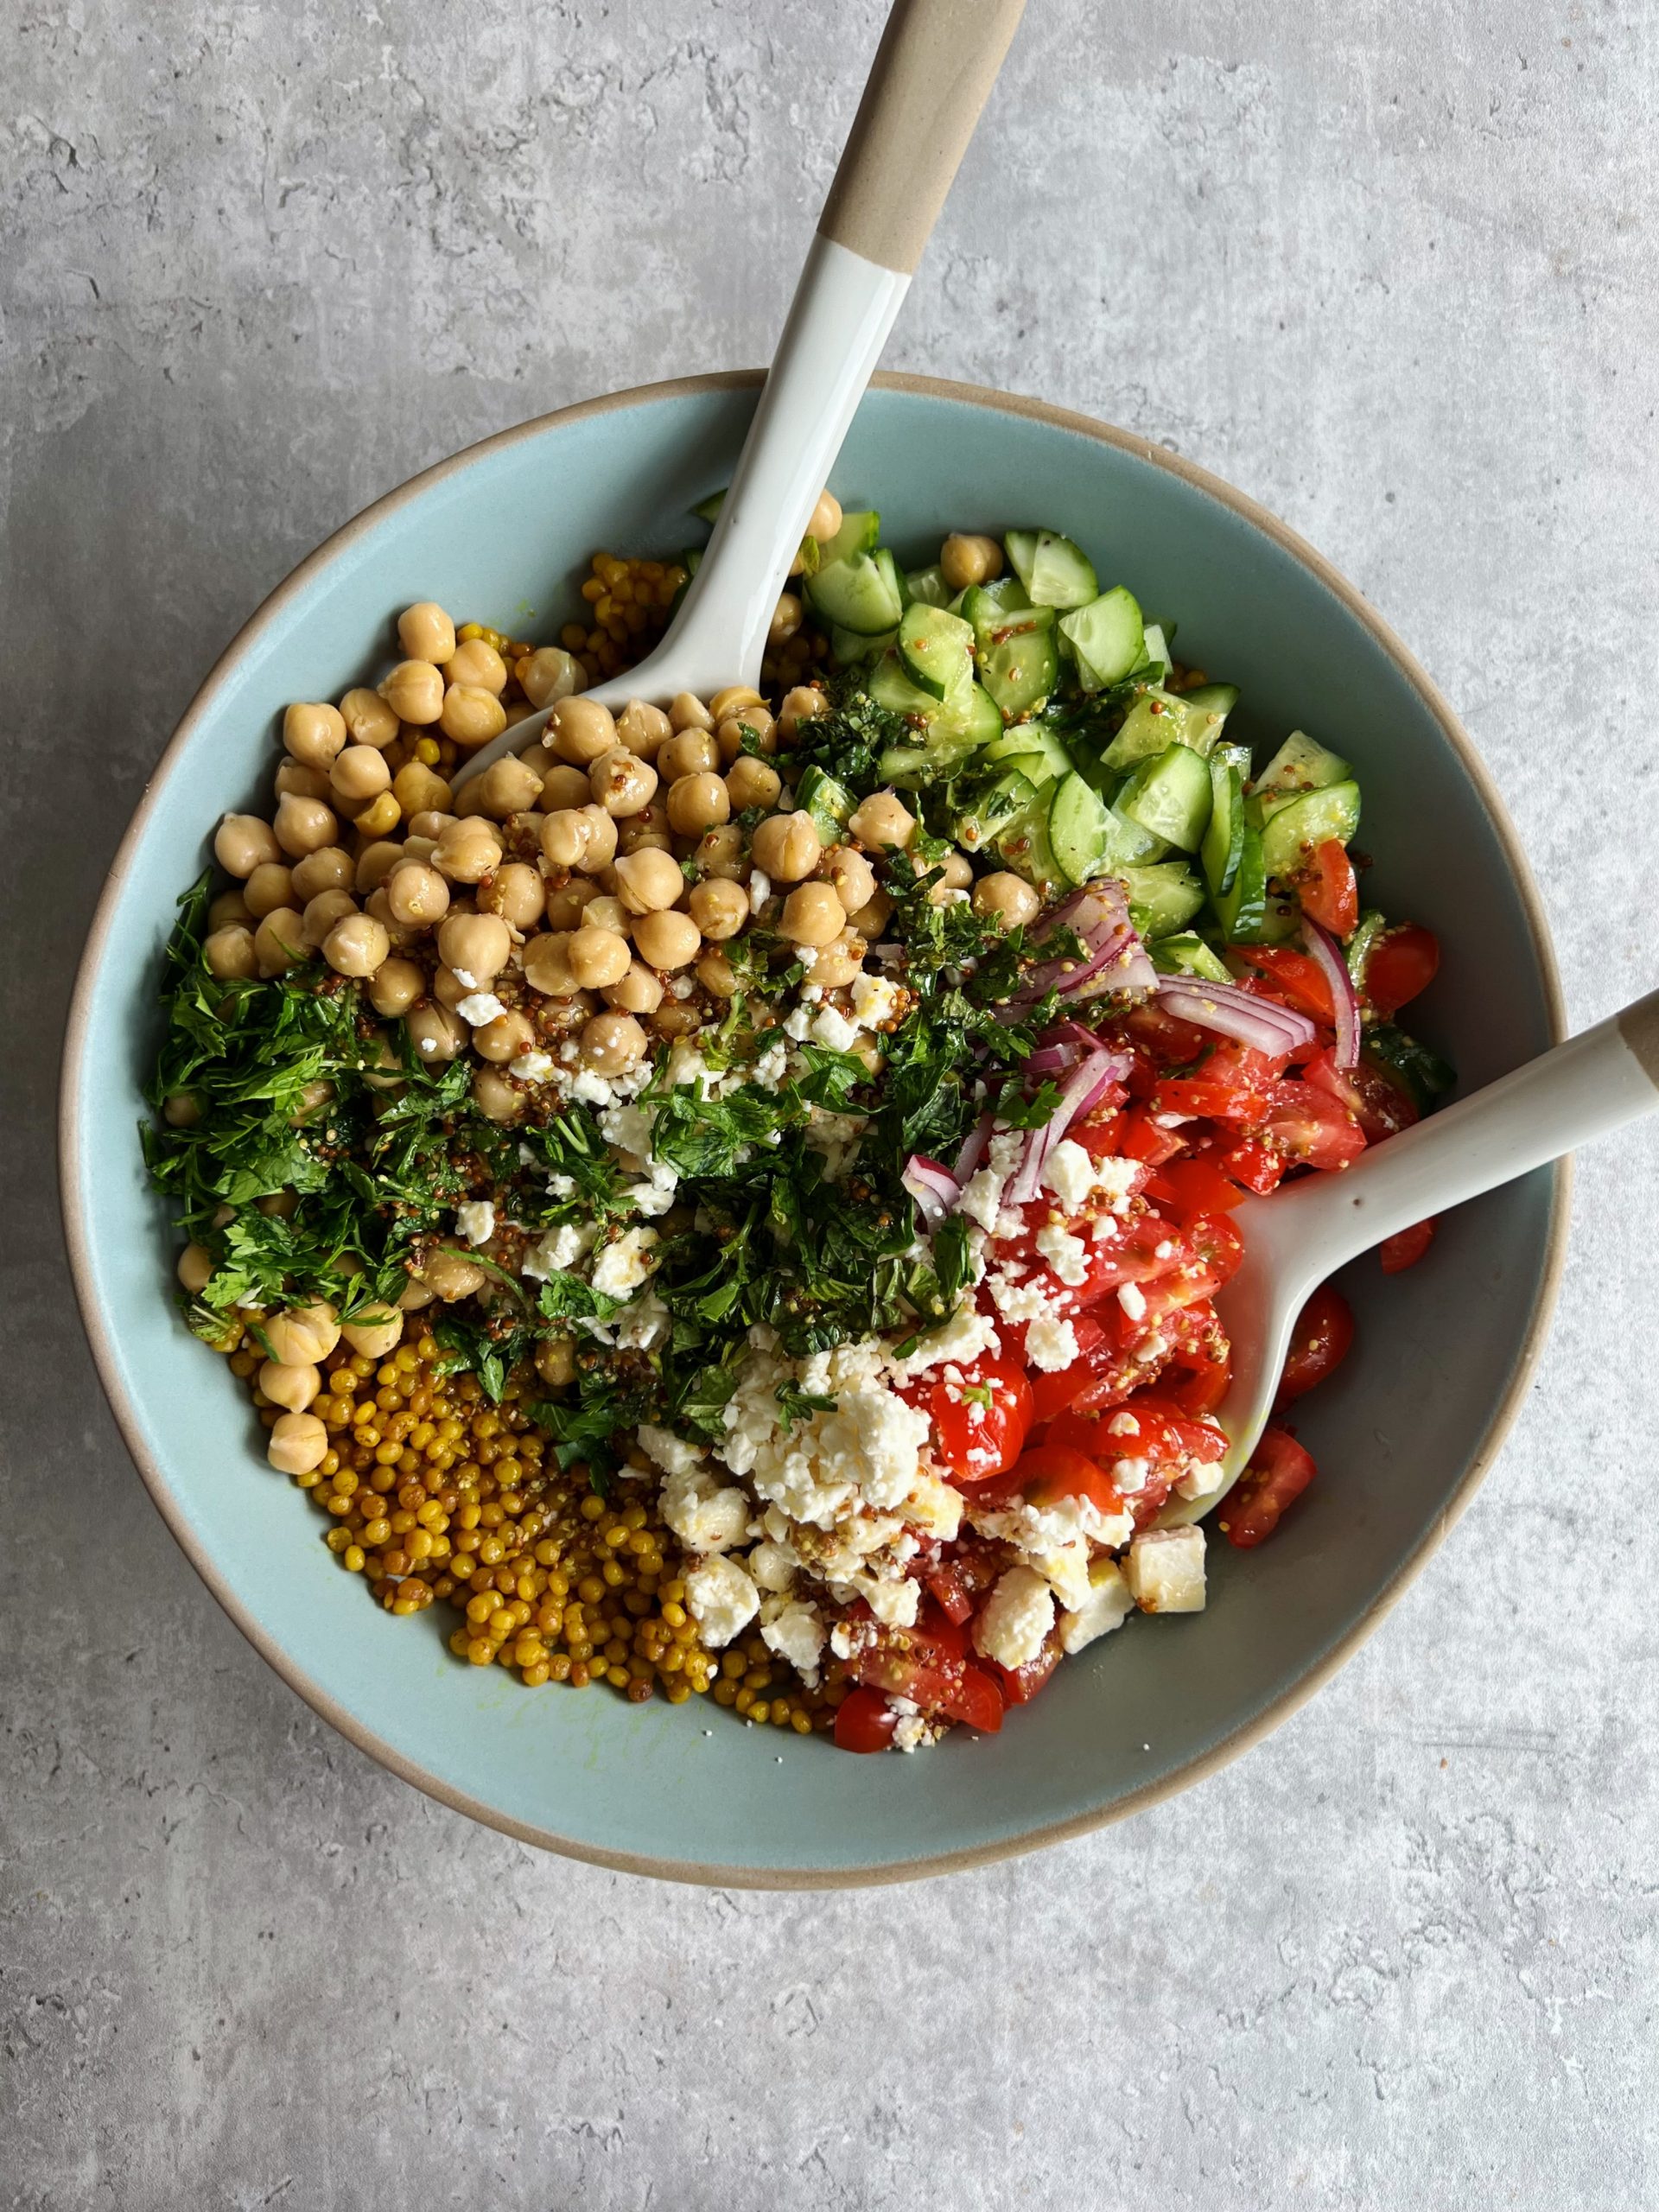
{"points": [[1301, 1235], [933, 72]]}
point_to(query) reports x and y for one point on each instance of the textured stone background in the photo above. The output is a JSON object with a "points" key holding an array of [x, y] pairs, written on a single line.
{"points": [[1392, 274]]}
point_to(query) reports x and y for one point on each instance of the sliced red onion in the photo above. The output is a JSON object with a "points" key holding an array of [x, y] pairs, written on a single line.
{"points": [[1323, 946], [1099, 917], [1270, 1027], [1097, 1073], [1050, 1059], [973, 1149], [934, 1188]]}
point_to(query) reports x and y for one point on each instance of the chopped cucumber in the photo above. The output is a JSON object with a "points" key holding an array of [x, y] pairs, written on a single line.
{"points": [[1332, 811], [828, 801], [907, 766], [1012, 745], [1241, 908], [859, 533], [1217, 699], [1019, 661], [1106, 638], [1128, 845], [1222, 848], [1156, 659], [890, 686], [929, 586], [1025, 846], [848, 647], [1007, 594], [1052, 569], [1077, 829], [1159, 719], [1012, 795], [709, 509], [952, 728], [1162, 898], [856, 585], [1424, 1073], [1370, 927], [1301, 764], [1170, 796], [1187, 955], [969, 719], [935, 648]]}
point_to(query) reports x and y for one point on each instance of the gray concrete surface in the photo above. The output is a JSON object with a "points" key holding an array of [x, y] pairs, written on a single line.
{"points": [[1392, 270]]}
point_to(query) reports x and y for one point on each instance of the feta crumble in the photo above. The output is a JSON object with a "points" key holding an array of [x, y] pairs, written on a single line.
{"points": [[1051, 1345], [1166, 1570], [722, 1599], [1017, 1616], [475, 1220], [622, 1267], [1107, 1606], [480, 1006], [1067, 1255]]}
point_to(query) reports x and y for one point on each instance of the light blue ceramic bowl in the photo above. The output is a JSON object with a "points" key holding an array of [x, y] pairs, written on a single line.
{"points": [[1402, 1436]]}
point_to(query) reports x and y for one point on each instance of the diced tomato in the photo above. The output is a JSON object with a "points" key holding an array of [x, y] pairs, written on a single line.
{"points": [[1252, 1165], [1404, 961], [1280, 1471], [1053, 1393], [1406, 1246], [1020, 1685], [1198, 1366], [1090, 1433], [1169, 1041], [1382, 1106], [864, 1722], [1318, 1343], [1141, 1136], [1232, 1085], [958, 1581], [1050, 1472], [1305, 1125], [1193, 1185], [1211, 1254], [929, 1666], [979, 1427], [1328, 889], [1295, 978]]}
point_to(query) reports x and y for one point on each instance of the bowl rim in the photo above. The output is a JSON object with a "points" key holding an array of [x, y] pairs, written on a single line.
{"points": [[95, 1324]]}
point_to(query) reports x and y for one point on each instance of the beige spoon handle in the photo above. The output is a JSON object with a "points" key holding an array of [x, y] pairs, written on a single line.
{"points": [[933, 74]]}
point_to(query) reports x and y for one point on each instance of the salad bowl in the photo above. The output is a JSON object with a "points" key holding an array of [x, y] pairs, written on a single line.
{"points": [[1402, 1434]]}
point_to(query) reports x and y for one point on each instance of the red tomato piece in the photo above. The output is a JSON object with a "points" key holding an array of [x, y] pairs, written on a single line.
{"points": [[1381, 1106], [1404, 961], [1328, 889], [1169, 1041], [1252, 1164], [1193, 1185], [1233, 1085], [955, 1690], [1296, 978], [1053, 1393], [1211, 1252], [1018, 1685], [979, 1427], [864, 1721], [1139, 1136], [1280, 1471], [1318, 1343], [958, 1581], [1305, 1125], [1406, 1246]]}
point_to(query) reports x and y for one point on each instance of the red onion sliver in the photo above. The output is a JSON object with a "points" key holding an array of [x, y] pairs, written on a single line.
{"points": [[1263, 1023], [934, 1188], [1343, 998], [973, 1148]]}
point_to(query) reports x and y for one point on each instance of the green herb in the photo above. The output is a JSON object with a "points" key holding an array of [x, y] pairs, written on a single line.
{"points": [[795, 1404]]}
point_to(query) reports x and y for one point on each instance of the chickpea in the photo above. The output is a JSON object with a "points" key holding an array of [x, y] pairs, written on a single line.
{"points": [[300, 782], [518, 895], [414, 691], [229, 906], [413, 1296], [477, 663], [647, 881], [602, 837], [376, 1329], [299, 1442], [686, 754], [883, 821], [568, 902], [722, 855], [1008, 900], [322, 913], [582, 730], [368, 719], [621, 782], [871, 919], [555, 1362], [357, 945], [563, 786], [637, 992], [839, 962], [612, 1042], [965, 560], [303, 824], [425, 631], [549, 675], [279, 1205], [785, 620], [229, 952], [826, 518], [686, 711], [495, 1097], [448, 988], [435, 1032], [375, 863], [195, 1269], [813, 915], [564, 837], [471, 714], [313, 735], [698, 802], [468, 851], [760, 730], [330, 868], [507, 786], [359, 775], [396, 986], [547, 965], [649, 829], [379, 818], [598, 956], [504, 1038], [788, 846], [292, 1386], [449, 1277], [270, 886], [180, 1110], [749, 782], [279, 942], [417, 895], [667, 939], [800, 705], [955, 875], [244, 842], [853, 877], [605, 912], [734, 699], [419, 790], [716, 974], [475, 947], [302, 1335], [644, 730], [720, 908]]}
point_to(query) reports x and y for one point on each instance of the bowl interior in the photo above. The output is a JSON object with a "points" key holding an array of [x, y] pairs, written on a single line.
{"points": [[502, 535]]}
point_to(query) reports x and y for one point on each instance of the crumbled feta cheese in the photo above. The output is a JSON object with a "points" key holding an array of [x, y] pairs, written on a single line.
{"points": [[1007, 1148], [759, 889], [653, 1197], [1106, 1607], [480, 1006], [1069, 1172], [963, 1339], [982, 1199], [1165, 1570], [557, 1252], [797, 1023], [671, 1453], [894, 1604], [833, 1029], [771, 1067], [476, 1220], [876, 1000], [1019, 1301], [628, 1128], [773, 1565], [1118, 1180], [1051, 1345], [1017, 1616], [797, 1634], [622, 1267], [468, 982], [807, 956], [722, 1598], [591, 1088], [534, 1067], [1065, 1570], [703, 1515], [1067, 1255], [867, 1448]]}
